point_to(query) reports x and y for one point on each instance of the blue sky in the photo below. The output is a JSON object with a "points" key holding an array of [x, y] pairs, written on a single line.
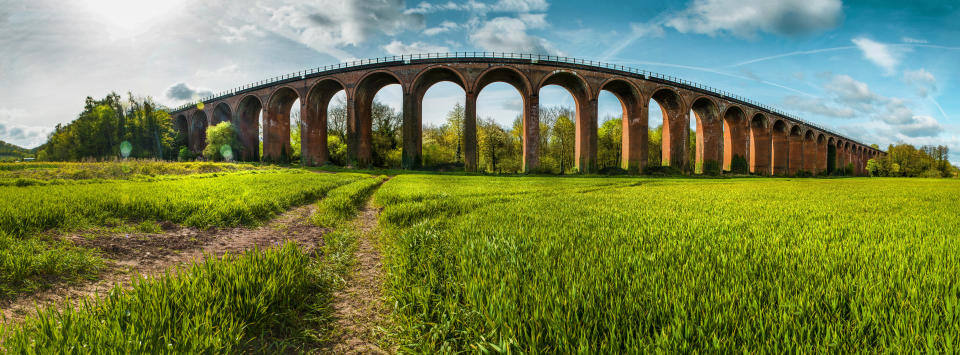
{"points": [[881, 72]]}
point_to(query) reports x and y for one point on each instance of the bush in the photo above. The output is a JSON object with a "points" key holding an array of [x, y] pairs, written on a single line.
{"points": [[662, 170], [739, 165], [338, 150], [185, 154], [612, 170]]}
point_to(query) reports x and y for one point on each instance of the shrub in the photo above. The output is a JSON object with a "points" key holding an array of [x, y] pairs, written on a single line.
{"points": [[711, 167], [739, 165]]}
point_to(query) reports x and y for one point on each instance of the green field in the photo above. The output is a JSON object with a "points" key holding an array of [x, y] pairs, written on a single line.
{"points": [[471, 263], [636, 265]]}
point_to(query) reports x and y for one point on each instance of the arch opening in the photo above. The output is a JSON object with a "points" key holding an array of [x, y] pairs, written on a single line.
{"points": [[373, 134], [183, 133], [529, 119], [500, 128], [622, 142], [247, 126], [276, 125], [795, 150], [672, 135], [221, 114], [438, 137], [760, 155], [735, 141], [707, 140], [198, 132], [781, 147], [323, 130]]}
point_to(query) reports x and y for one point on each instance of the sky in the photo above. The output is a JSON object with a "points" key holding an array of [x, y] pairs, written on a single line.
{"points": [[877, 71]]}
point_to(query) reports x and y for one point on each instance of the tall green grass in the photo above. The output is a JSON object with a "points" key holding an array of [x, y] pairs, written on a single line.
{"points": [[636, 266], [31, 264], [342, 203], [255, 302], [229, 200]]}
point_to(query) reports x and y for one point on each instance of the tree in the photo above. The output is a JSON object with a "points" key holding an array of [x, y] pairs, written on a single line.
{"points": [[337, 118], [222, 142], [609, 138], [563, 138], [455, 129], [655, 146]]}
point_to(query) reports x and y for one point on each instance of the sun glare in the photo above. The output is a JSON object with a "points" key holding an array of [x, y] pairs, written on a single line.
{"points": [[130, 17]]}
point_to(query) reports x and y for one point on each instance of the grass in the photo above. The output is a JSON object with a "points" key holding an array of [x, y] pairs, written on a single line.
{"points": [[33, 262], [255, 302], [342, 203], [234, 199], [119, 170], [672, 265], [28, 265]]}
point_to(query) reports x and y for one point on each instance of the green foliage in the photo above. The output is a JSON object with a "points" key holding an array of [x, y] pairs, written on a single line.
{"points": [[906, 160], [705, 266], [242, 198], [23, 174], [31, 264], [343, 202], [337, 149], [221, 139], [237, 304], [185, 154], [104, 124], [739, 165], [10, 152], [609, 143]]}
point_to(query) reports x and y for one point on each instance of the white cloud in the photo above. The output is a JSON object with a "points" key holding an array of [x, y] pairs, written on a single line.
{"points": [[445, 26], [921, 80], [920, 126], [744, 18], [520, 6], [818, 106], [847, 97], [18, 134], [399, 48], [878, 53], [328, 25], [509, 34]]}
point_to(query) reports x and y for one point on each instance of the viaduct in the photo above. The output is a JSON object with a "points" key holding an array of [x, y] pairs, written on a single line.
{"points": [[727, 126]]}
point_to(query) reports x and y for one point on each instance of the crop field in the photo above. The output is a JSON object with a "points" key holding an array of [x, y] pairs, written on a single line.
{"points": [[31, 258], [470, 263], [547, 264]]}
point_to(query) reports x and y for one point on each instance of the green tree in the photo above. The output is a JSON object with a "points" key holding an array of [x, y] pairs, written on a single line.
{"points": [[222, 142], [609, 141], [563, 138]]}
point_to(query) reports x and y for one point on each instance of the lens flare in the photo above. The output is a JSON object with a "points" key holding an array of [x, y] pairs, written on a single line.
{"points": [[125, 149], [226, 152]]}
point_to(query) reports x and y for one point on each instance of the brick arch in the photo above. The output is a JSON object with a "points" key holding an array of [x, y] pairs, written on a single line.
{"points": [[198, 131], [313, 144], [221, 113], [531, 107], [810, 151], [246, 122], [585, 145], [412, 130], [709, 132], [779, 133], [360, 124], [505, 74], [634, 127], [760, 154], [276, 124], [795, 154], [734, 135], [675, 125]]}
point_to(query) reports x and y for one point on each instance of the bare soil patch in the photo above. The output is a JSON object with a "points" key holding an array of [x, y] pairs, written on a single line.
{"points": [[151, 254]]}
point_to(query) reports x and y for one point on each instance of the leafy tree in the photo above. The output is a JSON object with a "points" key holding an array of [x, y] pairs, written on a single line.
{"points": [[609, 143], [563, 139], [222, 142]]}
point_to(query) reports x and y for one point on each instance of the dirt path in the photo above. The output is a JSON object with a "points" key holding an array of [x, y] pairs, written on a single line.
{"points": [[153, 254], [359, 309]]}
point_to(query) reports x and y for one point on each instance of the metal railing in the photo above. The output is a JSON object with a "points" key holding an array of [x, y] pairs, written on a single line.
{"points": [[534, 58]]}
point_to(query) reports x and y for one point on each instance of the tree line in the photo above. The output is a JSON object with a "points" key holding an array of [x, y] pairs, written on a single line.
{"points": [[906, 160], [112, 128]]}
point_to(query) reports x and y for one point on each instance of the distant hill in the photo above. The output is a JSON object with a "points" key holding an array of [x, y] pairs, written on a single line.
{"points": [[11, 152]]}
